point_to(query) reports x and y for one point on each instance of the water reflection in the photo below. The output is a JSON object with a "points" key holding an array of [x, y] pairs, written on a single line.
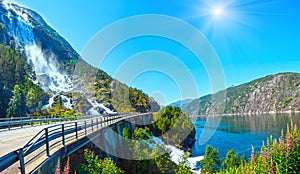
{"points": [[240, 132]]}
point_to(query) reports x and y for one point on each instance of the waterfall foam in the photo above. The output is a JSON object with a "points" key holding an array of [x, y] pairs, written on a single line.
{"points": [[177, 154], [46, 70]]}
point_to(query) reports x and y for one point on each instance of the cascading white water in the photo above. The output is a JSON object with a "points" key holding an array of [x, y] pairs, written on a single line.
{"points": [[48, 76], [177, 155], [46, 70]]}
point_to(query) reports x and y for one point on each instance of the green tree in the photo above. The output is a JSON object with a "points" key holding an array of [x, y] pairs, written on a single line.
{"points": [[231, 160], [12, 72], [141, 134], [31, 98], [35, 95], [16, 106], [109, 167], [95, 165], [173, 117], [58, 104], [211, 161], [182, 167], [125, 133]]}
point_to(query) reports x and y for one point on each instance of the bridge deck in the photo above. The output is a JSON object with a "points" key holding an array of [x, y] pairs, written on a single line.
{"points": [[44, 140], [11, 140]]}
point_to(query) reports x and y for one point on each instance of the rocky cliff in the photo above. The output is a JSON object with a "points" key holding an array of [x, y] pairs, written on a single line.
{"points": [[270, 94]]}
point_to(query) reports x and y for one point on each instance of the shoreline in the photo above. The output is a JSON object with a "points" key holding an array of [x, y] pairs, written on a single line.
{"points": [[251, 114]]}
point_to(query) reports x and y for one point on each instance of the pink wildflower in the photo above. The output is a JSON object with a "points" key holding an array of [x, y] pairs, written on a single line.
{"points": [[267, 155], [67, 170], [287, 153], [290, 143], [271, 167], [57, 171]]}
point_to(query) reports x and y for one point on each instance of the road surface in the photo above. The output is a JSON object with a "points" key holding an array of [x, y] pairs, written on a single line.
{"points": [[16, 138]]}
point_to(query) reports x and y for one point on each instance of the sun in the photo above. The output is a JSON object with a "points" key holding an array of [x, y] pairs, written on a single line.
{"points": [[217, 11]]}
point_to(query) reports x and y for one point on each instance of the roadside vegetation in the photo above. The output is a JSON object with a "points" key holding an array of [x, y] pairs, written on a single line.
{"points": [[277, 156]]}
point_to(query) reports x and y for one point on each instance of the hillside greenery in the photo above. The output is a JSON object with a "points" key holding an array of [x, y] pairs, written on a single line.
{"points": [[98, 85], [18, 95], [173, 118]]}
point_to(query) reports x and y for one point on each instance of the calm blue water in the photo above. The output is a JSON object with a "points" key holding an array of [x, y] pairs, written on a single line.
{"points": [[240, 132]]}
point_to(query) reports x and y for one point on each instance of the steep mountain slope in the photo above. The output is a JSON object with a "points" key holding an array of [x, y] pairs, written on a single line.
{"points": [[52, 61], [270, 94], [182, 103]]}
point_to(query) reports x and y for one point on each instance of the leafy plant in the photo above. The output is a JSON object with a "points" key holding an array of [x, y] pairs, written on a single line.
{"points": [[95, 165], [211, 161]]}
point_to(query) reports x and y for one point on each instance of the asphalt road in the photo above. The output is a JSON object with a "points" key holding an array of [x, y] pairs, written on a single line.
{"points": [[16, 138]]}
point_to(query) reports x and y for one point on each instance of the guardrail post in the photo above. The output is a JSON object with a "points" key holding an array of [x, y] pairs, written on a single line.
{"points": [[63, 134], [21, 159], [97, 123], [85, 127], [76, 130], [47, 142], [21, 122], [92, 125]]}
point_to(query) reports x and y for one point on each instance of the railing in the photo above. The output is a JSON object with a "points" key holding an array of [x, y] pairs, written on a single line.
{"points": [[8, 123], [58, 136]]}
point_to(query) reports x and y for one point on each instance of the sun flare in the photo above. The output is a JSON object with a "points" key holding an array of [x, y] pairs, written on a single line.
{"points": [[217, 11]]}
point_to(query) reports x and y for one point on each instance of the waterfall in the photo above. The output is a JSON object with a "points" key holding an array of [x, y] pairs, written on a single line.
{"points": [[48, 76]]}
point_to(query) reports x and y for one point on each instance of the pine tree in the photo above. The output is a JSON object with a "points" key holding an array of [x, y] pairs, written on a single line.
{"points": [[231, 160], [211, 161], [17, 105]]}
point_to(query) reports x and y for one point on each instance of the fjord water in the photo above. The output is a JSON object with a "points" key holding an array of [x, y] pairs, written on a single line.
{"points": [[241, 132]]}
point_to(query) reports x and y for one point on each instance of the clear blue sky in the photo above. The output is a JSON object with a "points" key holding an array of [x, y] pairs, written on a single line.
{"points": [[253, 38]]}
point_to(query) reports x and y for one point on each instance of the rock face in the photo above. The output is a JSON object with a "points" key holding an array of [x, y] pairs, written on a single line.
{"points": [[51, 57], [271, 94]]}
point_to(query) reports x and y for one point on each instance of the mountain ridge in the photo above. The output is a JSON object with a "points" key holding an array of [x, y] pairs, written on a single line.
{"points": [[270, 94]]}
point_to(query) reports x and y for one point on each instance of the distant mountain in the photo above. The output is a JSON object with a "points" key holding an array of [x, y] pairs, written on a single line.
{"points": [[182, 103], [52, 61], [270, 94]]}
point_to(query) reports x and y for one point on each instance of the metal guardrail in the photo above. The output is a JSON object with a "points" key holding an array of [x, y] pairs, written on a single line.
{"points": [[56, 135], [8, 123]]}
